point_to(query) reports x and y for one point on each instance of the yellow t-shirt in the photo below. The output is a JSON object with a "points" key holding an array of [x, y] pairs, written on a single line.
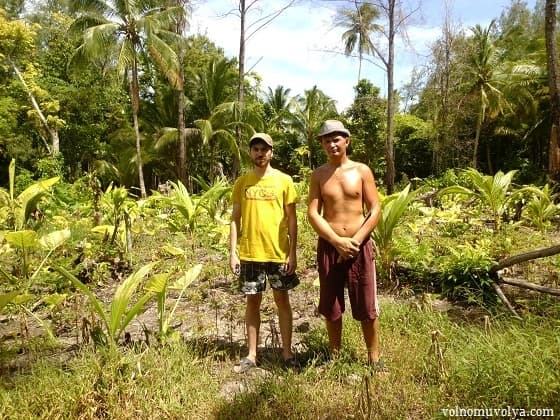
{"points": [[263, 235]]}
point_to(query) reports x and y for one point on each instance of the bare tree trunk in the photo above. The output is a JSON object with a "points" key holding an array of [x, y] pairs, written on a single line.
{"points": [[474, 162], [241, 86], [389, 150], [554, 87], [135, 99], [182, 152], [54, 148]]}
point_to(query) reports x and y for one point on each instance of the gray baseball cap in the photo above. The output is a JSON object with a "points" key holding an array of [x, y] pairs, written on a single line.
{"points": [[333, 126], [261, 136]]}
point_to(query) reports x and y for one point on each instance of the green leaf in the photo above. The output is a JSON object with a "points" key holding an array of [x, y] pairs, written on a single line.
{"points": [[173, 250], [181, 284], [55, 299], [122, 297], [157, 283], [132, 313], [6, 298], [185, 281], [12, 176], [23, 239], [29, 199], [22, 298], [103, 229], [54, 239]]}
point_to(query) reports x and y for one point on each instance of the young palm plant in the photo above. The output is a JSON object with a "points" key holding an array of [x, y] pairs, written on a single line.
{"points": [[159, 285], [121, 309], [541, 209], [393, 207], [15, 212], [118, 206], [25, 241], [493, 192]]}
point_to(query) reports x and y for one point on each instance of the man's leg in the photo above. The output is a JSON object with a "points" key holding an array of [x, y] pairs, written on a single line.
{"points": [[253, 323], [370, 329], [334, 330], [282, 299]]}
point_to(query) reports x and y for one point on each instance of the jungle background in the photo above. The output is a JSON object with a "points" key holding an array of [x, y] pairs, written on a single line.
{"points": [[120, 137]]}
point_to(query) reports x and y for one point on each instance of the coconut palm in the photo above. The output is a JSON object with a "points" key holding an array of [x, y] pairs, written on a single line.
{"points": [[310, 111], [223, 117], [277, 102], [486, 80], [360, 26], [127, 28]]}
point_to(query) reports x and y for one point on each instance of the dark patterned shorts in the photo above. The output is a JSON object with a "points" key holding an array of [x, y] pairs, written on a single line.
{"points": [[253, 276]]}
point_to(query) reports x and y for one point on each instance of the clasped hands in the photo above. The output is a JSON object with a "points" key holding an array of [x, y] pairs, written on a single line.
{"points": [[347, 248]]}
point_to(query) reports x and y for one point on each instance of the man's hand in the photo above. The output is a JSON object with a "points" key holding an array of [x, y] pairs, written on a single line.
{"points": [[291, 264], [234, 264], [347, 248]]}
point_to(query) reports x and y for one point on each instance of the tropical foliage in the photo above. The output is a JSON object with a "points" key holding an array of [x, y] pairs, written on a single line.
{"points": [[117, 214]]}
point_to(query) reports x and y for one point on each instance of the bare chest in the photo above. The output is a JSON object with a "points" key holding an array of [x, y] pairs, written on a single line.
{"points": [[342, 184]]}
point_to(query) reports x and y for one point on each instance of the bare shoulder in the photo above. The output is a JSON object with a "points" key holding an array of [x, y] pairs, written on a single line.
{"points": [[320, 172], [364, 170]]}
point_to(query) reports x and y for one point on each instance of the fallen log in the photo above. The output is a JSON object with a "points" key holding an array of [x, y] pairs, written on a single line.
{"points": [[531, 286], [527, 256]]}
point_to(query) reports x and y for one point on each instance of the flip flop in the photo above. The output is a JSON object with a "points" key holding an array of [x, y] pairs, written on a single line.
{"points": [[378, 367], [244, 365]]}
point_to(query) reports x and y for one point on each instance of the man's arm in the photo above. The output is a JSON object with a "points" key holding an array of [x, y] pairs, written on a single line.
{"points": [[234, 228], [292, 233], [346, 246], [371, 201]]}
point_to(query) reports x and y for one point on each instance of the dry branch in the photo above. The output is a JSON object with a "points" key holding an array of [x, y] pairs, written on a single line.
{"points": [[504, 299], [527, 256], [531, 286]]}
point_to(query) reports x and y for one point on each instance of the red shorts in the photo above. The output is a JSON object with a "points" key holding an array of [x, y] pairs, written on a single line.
{"points": [[358, 274]]}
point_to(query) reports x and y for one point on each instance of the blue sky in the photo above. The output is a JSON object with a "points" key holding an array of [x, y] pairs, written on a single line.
{"points": [[301, 48]]}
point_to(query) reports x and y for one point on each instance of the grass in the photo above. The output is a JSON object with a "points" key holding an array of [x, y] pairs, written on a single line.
{"points": [[494, 365], [436, 360]]}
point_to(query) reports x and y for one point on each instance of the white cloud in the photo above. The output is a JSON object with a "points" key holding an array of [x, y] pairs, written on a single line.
{"points": [[298, 49]]}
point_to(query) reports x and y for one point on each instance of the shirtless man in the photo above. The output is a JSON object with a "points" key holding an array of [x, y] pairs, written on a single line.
{"points": [[339, 192]]}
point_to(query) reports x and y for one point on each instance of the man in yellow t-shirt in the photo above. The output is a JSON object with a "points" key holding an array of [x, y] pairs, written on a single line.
{"points": [[263, 236]]}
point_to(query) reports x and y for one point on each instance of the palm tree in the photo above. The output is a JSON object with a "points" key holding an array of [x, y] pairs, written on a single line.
{"points": [[277, 102], [180, 28], [360, 26], [224, 120], [127, 28], [310, 111], [486, 81]]}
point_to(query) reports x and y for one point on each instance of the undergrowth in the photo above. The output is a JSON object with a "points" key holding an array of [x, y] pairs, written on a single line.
{"points": [[435, 362]]}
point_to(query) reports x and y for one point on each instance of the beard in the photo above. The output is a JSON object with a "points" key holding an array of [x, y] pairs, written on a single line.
{"points": [[261, 162]]}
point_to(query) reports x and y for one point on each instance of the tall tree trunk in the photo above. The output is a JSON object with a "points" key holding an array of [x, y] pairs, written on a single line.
{"points": [[54, 148], [135, 100], [241, 81], [241, 86], [489, 159], [474, 162], [182, 158], [389, 152], [182, 174], [554, 87]]}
